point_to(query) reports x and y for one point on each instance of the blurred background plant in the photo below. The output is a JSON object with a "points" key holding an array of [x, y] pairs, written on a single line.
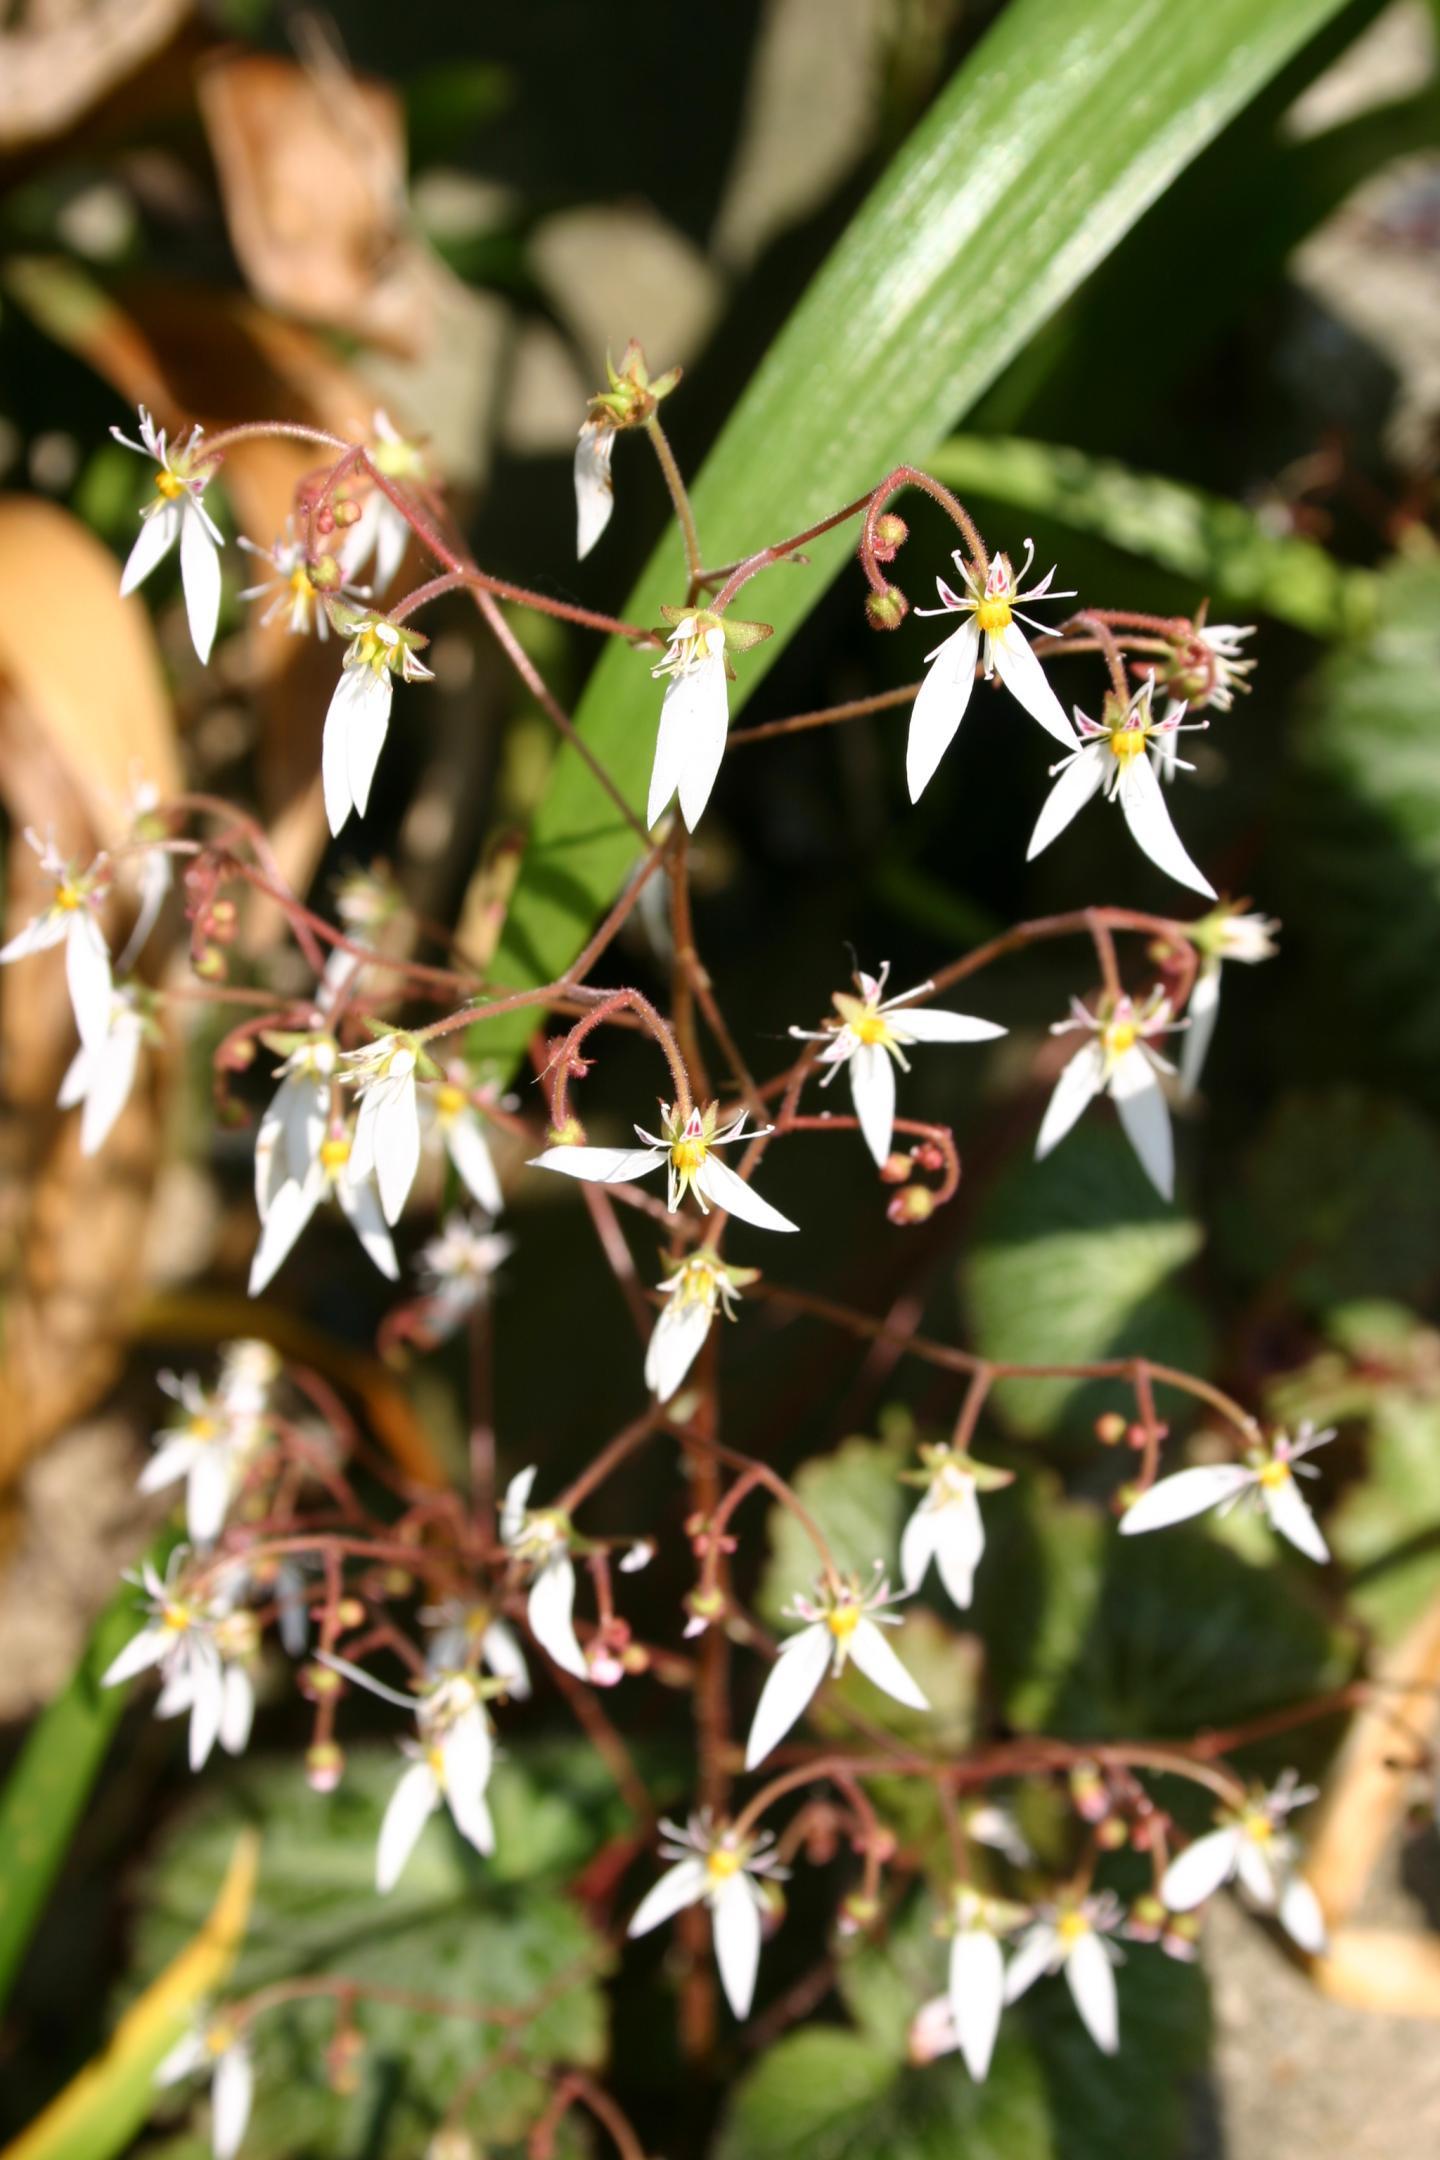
{"points": [[246, 210]]}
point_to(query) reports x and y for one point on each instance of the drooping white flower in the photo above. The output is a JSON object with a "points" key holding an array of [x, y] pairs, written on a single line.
{"points": [[178, 513], [296, 589], [1206, 672], [715, 1868], [870, 1039], [382, 531], [1074, 1938], [465, 1633], [449, 1110], [990, 630], [976, 1980], [387, 1124], [694, 718], [1119, 1061], [1253, 1844], [594, 483], [539, 1538], [841, 1623], [209, 1447], [1267, 1475], [701, 1285], [946, 1526], [249, 1370], [147, 863], [1114, 758], [450, 1767], [188, 1690], [685, 1145], [1227, 934], [181, 1640], [359, 715], [456, 1267], [218, 2048], [296, 1117], [329, 1175], [101, 1074], [70, 919]]}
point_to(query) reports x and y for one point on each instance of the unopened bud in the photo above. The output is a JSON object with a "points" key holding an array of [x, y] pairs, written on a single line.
{"points": [[326, 574], [345, 513], [929, 1157], [705, 1604], [1112, 1834], [886, 610], [324, 1766], [858, 1913], [210, 964], [1088, 1793], [1110, 1429], [916, 1204], [895, 1169], [318, 1682], [349, 1613], [570, 1134], [635, 1658], [891, 533]]}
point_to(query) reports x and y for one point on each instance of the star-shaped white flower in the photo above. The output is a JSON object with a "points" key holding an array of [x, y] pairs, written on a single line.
{"points": [[382, 531], [1074, 1938], [359, 716], [990, 631], [218, 2048], [685, 1146], [387, 1123], [451, 1766], [1207, 672], [1253, 1844], [298, 591], [870, 1039], [594, 483], [329, 1174], [1114, 758], [840, 1624], [715, 1868], [946, 1526], [178, 513], [1120, 1061], [1227, 934], [70, 919], [539, 1538], [1267, 1475], [701, 1285], [101, 1074], [208, 1448], [449, 1110], [456, 1269], [182, 1638]]}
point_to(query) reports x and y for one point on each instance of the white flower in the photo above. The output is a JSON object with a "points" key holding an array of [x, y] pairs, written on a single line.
{"points": [[1227, 934], [694, 718], [594, 483], [1114, 758], [871, 1037], [382, 530], [296, 1117], [101, 1074], [148, 863], [840, 1625], [715, 1868], [329, 1173], [685, 1145], [450, 1111], [1268, 1473], [218, 2048], [702, 1285], [1118, 1061], [1253, 1844], [946, 1526], [465, 1632], [182, 1640], [296, 588], [455, 1270], [1207, 671], [451, 1766], [387, 1124], [208, 1447], [539, 1538], [249, 1370], [178, 513], [359, 715], [976, 1981], [1074, 1939], [70, 919], [990, 609]]}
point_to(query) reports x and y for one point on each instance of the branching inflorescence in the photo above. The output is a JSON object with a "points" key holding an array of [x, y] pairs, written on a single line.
{"points": [[371, 1073]]}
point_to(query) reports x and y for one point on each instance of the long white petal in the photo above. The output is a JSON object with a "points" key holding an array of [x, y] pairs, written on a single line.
{"points": [[917, 1544], [1025, 679], [1257, 1877], [940, 705], [207, 1703], [735, 1919], [675, 1343], [1147, 813], [390, 1133], [506, 1660], [1198, 1872], [392, 537], [412, 1803], [1075, 1090], [1137, 1095], [702, 715], [681, 1885], [231, 2096], [237, 1710], [75, 1086], [600, 1165], [959, 1544], [1301, 1916], [200, 577], [87, 975], [139, 1654], [38, 935], [872, 1090], [549, 1609], [470, 1153], [112, 1068], [1091, 1979], [187, 2056], [977, 1995], [1082, 778], [355, 729], [360, 1204], [1031, 1957], [1202, 1012], [721, 1186], [156, 537], [933, 1024], [516, 1501], [870, 1651], [1188, 1492], [594, 486], [207, 1493], [1289, 1513], [290, 1210], [794, 1679], [172, 1461]]}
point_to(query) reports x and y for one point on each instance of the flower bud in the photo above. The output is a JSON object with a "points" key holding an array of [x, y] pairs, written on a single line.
{"points": [[1110, 1429], [929, 1157], [916, 1204], [350, 1613], [209, 964], [324, 1766], [1112, 1835], [326, 574], [317, 1682], [1088, 1794], [858, 1913], [895, 1169], [891, 533], [886, 610]]}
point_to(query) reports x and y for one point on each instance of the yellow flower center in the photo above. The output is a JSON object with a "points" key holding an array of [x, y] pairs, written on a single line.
{"points": [[1274, 1475], [302, 584], [68, 896], [688, 1154], [334, 1154], [167, 485], [871, 1028], [450, 1101], [1257, 1826], [1126, 743], [435, 1763], [1120, 1037], [993, 615], [202, 1428], [374, 651], [843, 1621], [721, 1864], [176, 1618], [1071, 1926]]}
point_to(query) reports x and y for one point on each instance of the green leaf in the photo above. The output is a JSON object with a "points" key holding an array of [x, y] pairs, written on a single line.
{"points": [[1219, 547], [1071, 1263], [1067, 120]]}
